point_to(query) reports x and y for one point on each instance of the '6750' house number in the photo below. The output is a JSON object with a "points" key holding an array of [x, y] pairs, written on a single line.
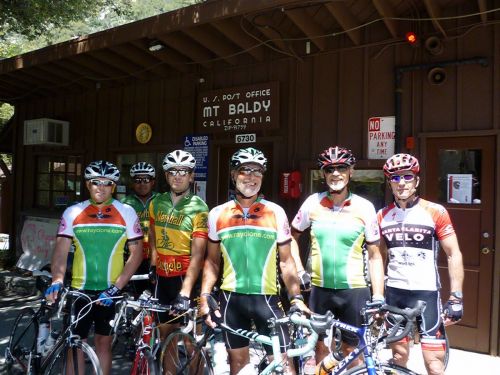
{"points": [[246, 138]]}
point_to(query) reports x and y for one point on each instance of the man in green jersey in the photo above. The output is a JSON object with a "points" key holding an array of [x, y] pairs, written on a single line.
{"points": [[98, 228], [143, 181], [342, 225], [178, 239], [252, 236]]}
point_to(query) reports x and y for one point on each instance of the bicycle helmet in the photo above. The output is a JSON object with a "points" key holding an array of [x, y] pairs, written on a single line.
{"points": [[179, 158], [102, 168], [401, 162], [336, 155], [142, 168], [248, 155]]}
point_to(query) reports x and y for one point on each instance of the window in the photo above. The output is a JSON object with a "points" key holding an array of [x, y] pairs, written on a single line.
{"points": [[367, 183], [58, 181], [460, 176]]}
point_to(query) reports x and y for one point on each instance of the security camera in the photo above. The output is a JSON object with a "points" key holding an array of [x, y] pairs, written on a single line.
{"points": [[436, 76]]}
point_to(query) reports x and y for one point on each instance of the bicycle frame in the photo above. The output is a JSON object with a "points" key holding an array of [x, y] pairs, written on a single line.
{"points": [[272, 340]]}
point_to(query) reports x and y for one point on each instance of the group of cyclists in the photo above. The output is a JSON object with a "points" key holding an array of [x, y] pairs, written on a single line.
{"points": [[244, 246]]}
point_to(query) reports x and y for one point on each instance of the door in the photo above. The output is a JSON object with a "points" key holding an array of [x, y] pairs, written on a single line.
{"points": [[459, 174], [225, 186]]}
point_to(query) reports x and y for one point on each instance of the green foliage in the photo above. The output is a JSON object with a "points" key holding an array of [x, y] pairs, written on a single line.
{"points": [[6, 112], [26, 25], [33, 18]]}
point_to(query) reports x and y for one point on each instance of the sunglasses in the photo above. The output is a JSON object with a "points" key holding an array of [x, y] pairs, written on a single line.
{"points": [[406, 177], [142, 180], [102, 182], [339, 168], [257, 172], [180, 172]]}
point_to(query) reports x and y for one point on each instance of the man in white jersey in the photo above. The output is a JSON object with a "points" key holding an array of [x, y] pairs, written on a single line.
{"points": [[412, 231]]}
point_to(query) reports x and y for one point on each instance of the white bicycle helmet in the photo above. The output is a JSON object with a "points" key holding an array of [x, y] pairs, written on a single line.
{"points": [[401, 162], [142, 168], [102, 168], [248, 155], [179, 159]]}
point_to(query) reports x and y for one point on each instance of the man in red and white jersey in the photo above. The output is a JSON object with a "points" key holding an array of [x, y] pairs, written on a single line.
{"points": [[412, 231]]}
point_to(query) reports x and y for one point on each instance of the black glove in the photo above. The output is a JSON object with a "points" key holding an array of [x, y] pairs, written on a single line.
{"points": [[152, 274], [106, 297], [454, 310], [213, 306], [305, 281], [180, 304]]}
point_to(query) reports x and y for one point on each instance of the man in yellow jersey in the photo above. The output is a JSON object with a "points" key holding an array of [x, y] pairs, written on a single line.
{"points": [[178, 239], [99, 228]]}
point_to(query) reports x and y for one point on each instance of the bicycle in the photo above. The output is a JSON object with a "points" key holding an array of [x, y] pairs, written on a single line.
{"points": [[62, 356], [147, 340], [317, 325], [370, 344], [186, 349]]}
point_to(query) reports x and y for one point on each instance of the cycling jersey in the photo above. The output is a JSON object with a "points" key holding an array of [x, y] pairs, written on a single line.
{"points": [[99, 236], [338, 235], [142, 210], [249, 240], [412, 237], [174, 228]]}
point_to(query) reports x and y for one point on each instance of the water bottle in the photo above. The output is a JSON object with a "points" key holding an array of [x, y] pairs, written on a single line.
{"points": [[326, 365], [309, 364], [43, 333]]}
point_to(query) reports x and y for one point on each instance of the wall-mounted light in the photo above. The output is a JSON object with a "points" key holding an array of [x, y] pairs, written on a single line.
{"points": [[411, 38], [155, 46]]}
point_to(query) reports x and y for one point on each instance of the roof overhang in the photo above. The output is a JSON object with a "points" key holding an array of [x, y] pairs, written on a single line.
{"points": [[217, 34]]}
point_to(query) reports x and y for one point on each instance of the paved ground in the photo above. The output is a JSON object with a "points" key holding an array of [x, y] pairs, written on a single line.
{"points": [[17, 291]]}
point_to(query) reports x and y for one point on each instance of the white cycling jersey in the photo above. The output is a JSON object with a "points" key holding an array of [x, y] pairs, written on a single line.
{"points": [[412, 237]]}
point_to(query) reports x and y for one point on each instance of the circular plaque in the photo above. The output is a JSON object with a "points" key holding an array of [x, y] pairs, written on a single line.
{"points": [[143, 133]]}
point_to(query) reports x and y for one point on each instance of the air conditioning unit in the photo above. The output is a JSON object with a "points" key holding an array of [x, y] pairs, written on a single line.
{"points": [[45, 131]]}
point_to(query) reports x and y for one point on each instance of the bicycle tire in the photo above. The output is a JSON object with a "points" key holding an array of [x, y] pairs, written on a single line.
{"points": [[381, 369], [145, 364], [57, 361], [22, 341], [189, 358]]}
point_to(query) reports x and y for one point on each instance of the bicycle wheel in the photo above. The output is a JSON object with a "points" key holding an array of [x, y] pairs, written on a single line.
{"points": [[64, 360], [183, 355], [22, 342], [144, 364], [382, 369], [447, 352]]}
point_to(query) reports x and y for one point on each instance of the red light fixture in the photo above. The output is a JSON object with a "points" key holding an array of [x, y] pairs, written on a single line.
{"points": [[411, 38]]}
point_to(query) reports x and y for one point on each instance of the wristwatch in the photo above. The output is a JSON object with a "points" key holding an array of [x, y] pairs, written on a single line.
{"points": [[458, 295]]}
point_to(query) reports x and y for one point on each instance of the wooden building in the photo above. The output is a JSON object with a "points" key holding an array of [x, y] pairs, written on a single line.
{"points": [[290, 77]]}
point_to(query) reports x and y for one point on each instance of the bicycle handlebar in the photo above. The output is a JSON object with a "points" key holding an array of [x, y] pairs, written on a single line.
{"points": [[139, 277], [409, 315]]}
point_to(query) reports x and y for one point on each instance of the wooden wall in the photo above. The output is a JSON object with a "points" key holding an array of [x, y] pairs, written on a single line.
{"points": [[325, 99]]}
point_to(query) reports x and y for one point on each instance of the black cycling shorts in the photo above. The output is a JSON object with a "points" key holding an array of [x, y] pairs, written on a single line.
{"points": [[98, 314], [430, 324], [240, 310], [345, 304], [166, 290]]}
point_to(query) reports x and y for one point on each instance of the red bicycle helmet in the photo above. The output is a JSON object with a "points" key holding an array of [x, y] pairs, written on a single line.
{"points": [[401, 162], [336, 155]]}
